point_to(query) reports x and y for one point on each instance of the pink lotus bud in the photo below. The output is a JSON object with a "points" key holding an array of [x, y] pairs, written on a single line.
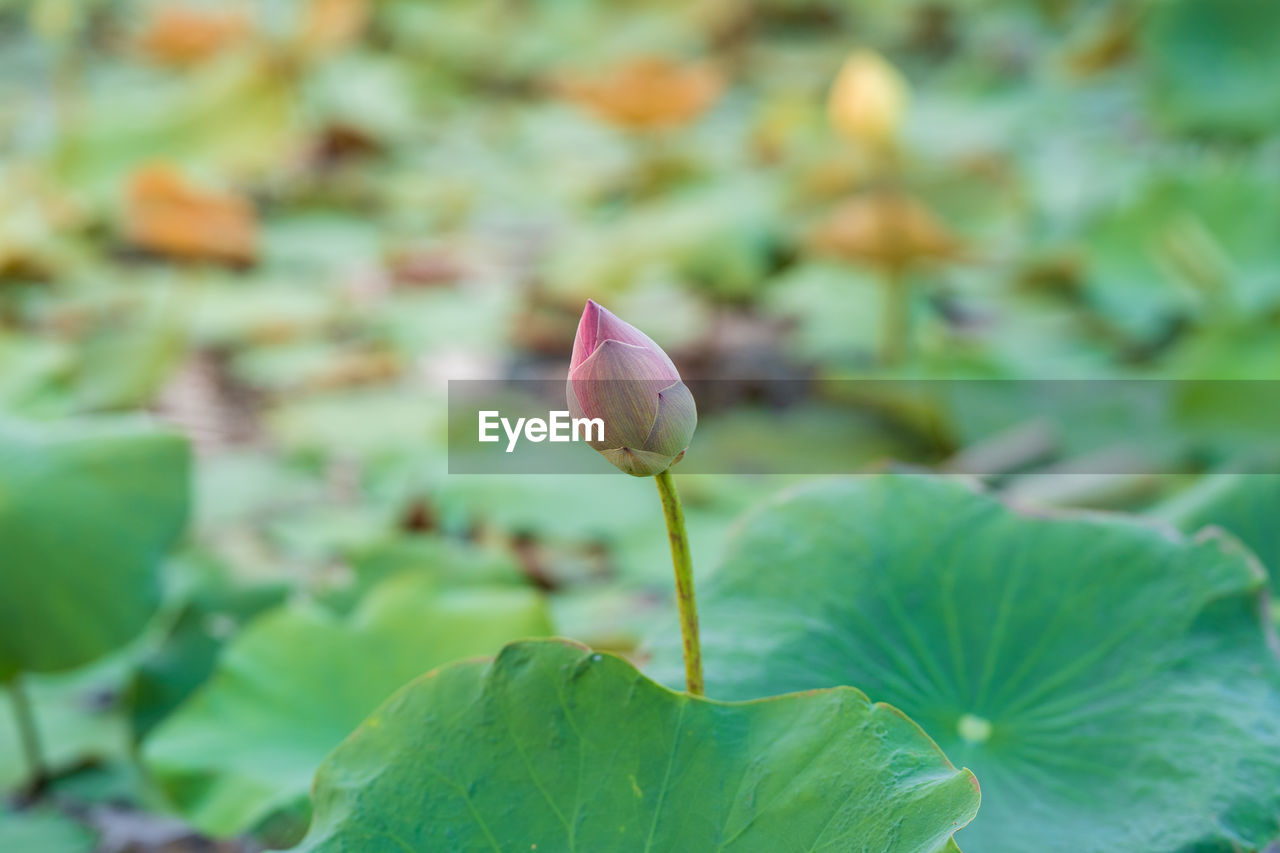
{"points": [[620, 376]]}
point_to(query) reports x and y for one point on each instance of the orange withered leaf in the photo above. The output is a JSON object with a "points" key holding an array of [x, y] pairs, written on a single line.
{"points": [[887, 229], [647, 93], [186, 35], [330, 25], [166, 214]]}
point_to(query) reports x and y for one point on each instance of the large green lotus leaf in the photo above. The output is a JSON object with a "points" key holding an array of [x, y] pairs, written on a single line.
{"points": [[1247, 505], [297, 680], [1110, 683], [555, 747], [43, 831], [78, 720], [1211, 65], [87, 512]]}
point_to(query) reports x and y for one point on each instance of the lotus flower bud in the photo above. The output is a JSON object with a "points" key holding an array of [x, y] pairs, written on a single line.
{"points": [[620, 376], [868, 100]]}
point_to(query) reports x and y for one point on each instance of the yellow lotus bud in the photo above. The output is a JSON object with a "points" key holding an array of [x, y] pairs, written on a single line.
{"points": [[868, 100]]}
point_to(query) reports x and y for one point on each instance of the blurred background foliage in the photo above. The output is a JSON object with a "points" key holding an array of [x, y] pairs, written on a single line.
{"points": [[281, 226]]}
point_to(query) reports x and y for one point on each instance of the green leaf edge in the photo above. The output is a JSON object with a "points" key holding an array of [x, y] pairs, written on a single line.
{"points": [[319, 811]]}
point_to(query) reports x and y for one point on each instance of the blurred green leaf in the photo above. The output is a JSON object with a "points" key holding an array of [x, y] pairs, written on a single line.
{"points": [[298, 679], [1211, 65], [87, 513], [79, 721], [236, 115], [1245, 505], [45, 831], [175, 666]]}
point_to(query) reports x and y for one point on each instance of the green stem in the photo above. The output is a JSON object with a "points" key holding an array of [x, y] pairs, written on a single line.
{"points": [[683, 564], [897, 317], [29, 736]]}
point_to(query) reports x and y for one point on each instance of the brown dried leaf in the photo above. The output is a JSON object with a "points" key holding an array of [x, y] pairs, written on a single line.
{"points": [[179, 35], [647, 93], [885, 228], [166, 214], [331, 25], [355, 369]]}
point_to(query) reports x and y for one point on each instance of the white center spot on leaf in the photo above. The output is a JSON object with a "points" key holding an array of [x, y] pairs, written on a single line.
{"points": [[974, 729]]}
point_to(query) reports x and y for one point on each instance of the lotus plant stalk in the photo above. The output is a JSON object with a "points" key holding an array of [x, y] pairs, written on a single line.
{"points": [[897, 316], [619, 375], [29, 736], [683, 563]]}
